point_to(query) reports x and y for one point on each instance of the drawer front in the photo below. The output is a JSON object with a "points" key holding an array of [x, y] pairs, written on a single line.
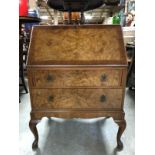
{"points": [[77, 78], [76, 98]]}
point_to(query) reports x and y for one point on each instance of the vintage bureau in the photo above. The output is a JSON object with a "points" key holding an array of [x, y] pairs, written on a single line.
{"points": [[77, 72]]}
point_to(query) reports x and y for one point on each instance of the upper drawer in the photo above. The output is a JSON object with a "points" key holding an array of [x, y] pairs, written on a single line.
{"points": [[77, 78]]}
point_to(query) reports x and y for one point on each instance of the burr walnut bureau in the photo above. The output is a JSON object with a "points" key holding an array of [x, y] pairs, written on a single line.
{"points": [[77, 72]]}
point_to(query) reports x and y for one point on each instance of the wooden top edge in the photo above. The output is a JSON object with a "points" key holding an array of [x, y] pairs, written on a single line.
{"points": [[79, 63], [74, 66], [76, 26]]}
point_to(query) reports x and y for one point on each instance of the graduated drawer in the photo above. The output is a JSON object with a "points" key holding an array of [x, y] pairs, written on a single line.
{"points": [[76, 98], [77, 78]]}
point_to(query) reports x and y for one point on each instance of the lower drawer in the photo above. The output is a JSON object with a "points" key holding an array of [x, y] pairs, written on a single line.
{"points": [[76, 98]]}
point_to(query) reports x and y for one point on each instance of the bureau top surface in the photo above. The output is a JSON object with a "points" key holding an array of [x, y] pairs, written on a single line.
{"points": [[77, 45]]}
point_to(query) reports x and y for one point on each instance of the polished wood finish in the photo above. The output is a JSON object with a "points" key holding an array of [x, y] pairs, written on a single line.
{"points": [[76, 45], [122, 126], [76, 98], [77, 78], [32, 125], [75, 113], [77, 72]]}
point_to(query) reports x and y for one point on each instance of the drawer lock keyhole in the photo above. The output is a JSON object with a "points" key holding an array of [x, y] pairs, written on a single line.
{"points": [[50, 98], [50, 78], [103, 77], [103, 98]]}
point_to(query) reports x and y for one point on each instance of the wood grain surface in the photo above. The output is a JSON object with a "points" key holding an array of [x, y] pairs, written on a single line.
{"points": [[77, 72], [76, 98], [81, 113], [77, 78], [72, 44]]}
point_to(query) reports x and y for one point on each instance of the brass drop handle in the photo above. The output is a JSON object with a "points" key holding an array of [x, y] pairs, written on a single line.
{"points": [[50, 98], [103, 98], [103, 77], [50, 78]]}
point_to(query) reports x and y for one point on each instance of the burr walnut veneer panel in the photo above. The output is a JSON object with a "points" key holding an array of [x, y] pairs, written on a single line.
{"points": [[76, 98], [77, 72], [77, 78], [76, 45]]}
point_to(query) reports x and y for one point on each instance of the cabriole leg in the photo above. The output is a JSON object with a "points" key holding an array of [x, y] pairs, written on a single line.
{"points": [[32, 125], [122, 126]]}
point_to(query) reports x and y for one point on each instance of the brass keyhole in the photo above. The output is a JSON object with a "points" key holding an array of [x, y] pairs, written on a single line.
{"points": [[50, 78], [103, 98], [103, 77], [50, 98]]}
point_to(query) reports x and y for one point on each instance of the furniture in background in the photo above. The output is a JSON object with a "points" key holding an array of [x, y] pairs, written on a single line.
{"points": [[83, 77], [23, 51], [21, 66], [130, 48], [129, 43]]}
